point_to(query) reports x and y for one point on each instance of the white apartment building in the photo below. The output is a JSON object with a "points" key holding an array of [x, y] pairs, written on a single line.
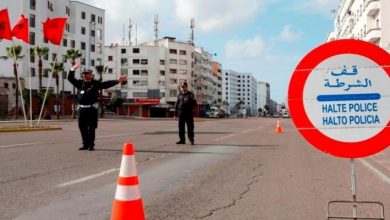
{"points": [[363, 19], [84, 31], [240, 87], [263, 94], [155, 69]]}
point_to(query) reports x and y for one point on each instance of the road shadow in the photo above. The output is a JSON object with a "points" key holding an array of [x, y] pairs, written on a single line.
{"points": [[239, 145], [176, 132], [165, 152]]}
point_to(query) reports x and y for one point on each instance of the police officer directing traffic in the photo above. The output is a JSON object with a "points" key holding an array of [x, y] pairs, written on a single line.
{"points": [[88, 96], [185, 112]]}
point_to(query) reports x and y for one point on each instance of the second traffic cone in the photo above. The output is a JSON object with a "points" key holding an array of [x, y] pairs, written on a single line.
{"points": [[128, 202], [278, 127]]}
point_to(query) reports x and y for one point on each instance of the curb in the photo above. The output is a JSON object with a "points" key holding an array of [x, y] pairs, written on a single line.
{"points": [[3, 130]]}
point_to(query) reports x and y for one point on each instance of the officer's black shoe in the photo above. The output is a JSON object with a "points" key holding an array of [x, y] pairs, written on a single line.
{"points": [[83, 148], [181, 142], [192, 141]]}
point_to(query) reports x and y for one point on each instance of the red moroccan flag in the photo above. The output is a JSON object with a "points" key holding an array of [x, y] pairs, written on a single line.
{"points": [[53, 30], [5, 27], [20, 29]]}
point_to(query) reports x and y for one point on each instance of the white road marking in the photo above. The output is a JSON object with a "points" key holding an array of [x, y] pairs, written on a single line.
{"points": [[88, 178], [19, 145], [225, 137], [246, 131], [381, 175]]}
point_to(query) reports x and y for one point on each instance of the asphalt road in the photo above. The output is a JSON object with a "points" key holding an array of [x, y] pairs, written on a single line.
{"points": [[238, 169]]}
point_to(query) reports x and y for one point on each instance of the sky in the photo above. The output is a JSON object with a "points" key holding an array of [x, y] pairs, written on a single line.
{"points": [[267, 38]]}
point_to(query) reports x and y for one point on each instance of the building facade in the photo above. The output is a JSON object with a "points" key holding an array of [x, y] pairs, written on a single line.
{"points": [[240, 87], [84, 31], [364, 20], [263, 95]]}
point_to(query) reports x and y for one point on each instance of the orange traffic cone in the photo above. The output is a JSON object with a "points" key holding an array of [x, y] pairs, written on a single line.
{"points": [[128, 202], [278, 127]]}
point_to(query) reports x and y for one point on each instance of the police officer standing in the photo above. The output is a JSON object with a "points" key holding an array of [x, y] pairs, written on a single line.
{"points": [[88, 96], [185, 112]]}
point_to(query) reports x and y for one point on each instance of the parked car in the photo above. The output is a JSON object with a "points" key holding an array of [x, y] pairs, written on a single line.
{"points": [[276, 115], [286, 115]]}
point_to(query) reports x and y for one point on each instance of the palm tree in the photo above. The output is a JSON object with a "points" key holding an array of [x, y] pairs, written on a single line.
{"points": [[57, 67], [100, 69], [72, 55], [14, 53], [40, 52]]}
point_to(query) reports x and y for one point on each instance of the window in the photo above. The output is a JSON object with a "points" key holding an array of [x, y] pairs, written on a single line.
{"points": [[99, 48], [54, 56], [83, 30], [72, 44], [65, 42], [183, 52], [14, 86], [32, 71], [6, 85], [110, 71], [123, 50], [32, 20], [173, 71], [67, 10], [173, 61], [92, 47], [83, 15], [136, 72], [46, 57], [100, 20], [46, 73], [162, 72], [135, 50], [144, 62], [32, 4], [32, 38], [92, 62], [135, 61], [93, 17], [144, 72], [183, 72], [110, 58], [67, 27], [162, 62], [82, 61], [173, 51], [124, 61], [93, 33], [32, 58], [172, 93], [183, 62], [82, 45], [99, 34]]}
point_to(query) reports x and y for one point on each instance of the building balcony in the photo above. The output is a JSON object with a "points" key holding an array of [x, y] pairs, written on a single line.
{"points": [[373, 35], [372, 7]]}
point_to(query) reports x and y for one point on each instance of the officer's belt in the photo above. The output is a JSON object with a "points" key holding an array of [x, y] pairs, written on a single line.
{"points": [[88, 106]]}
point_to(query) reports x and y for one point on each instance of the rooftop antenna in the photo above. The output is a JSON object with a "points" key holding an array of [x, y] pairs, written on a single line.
{"points": [[136, 34], [130, 29], [156, 27], [123, 35], [192, 30]]}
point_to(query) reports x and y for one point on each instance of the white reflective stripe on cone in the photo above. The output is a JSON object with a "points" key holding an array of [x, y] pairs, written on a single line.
{"points": [[128, 168], [127, 193]]}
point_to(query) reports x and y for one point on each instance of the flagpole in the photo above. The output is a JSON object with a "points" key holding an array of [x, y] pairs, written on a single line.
{"points": [[20, 88], [29, 69], [47, 87]]}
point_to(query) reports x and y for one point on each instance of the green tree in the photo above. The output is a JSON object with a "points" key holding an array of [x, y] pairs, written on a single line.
{"points": [[14, 53], [114, 103], [72, 55], [100, 69], [57, 68], [40, 52]]}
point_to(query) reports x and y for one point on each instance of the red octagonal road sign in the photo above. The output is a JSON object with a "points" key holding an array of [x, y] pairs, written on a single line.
{"points": [[339, 98]]}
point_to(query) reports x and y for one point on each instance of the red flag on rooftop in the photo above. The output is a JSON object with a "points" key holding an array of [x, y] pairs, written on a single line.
{"points": [[53, 30], [20, 29], [5, 27]]}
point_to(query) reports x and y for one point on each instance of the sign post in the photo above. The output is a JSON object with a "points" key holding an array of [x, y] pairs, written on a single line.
{"points": [[339, 99]]}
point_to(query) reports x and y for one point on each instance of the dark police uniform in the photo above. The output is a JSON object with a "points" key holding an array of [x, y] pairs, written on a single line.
{"points": [[88, 113], [184, 111]]}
